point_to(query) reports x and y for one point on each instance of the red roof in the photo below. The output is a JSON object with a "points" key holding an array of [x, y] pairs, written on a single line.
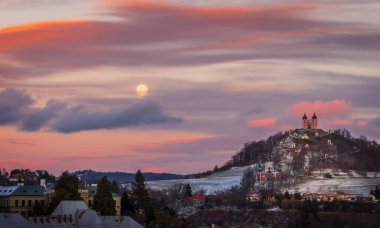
{"points": [[198, 197]]}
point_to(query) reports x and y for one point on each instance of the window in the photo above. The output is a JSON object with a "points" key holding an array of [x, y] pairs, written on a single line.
{"points": [[36, 201], [43, 202], [29, 203], [16, 203], [23, 203], [90, 203]]}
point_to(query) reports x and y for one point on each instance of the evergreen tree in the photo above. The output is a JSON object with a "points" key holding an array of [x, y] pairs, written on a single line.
{"points": [[103, 201], [188, 191], [115, 187], [287, 195], [297, 196], [139, 191], [66, 189], [143, 202], [127, 206]]}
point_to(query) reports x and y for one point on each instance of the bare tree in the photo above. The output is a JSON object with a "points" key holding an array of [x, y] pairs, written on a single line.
{"points": [[248, 180]]}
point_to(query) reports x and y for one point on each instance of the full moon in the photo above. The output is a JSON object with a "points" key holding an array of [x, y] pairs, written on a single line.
{"points": [[142, 90]]}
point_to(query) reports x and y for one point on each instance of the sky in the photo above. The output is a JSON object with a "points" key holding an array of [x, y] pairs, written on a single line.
{"points": [[218, 73]]}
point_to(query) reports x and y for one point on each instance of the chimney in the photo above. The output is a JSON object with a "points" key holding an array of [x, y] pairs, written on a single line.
{"points": [[43, 183]]}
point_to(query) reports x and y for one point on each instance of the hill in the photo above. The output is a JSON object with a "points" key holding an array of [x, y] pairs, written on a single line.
{"points": [[298, 160], [92, 176], [310, 149]]}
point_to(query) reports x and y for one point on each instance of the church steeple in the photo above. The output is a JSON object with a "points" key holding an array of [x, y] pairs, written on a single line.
{"points": [[314, 121], [304, 121], [310, 123]]}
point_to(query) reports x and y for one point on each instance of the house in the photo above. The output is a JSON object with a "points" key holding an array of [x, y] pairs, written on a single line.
{"points": [[310, 196], [363, 198], [332, 197], [253, 196], [268, 176], [21, 199], [197, 199]]}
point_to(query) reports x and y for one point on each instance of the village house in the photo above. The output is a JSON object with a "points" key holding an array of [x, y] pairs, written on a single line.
{"points": [[197, 199], [339, 197], [253, 197], [268, 176]]}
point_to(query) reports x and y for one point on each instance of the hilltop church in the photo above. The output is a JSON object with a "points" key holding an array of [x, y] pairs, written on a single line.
{"points": [[310, 124]]}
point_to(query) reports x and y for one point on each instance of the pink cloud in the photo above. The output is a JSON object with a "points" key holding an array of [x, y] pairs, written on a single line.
{"points": [[262, 122], [152, 23], [333, 108], [153, 169], [158, 144], [361, 123], [342, 123], [346, 123]]}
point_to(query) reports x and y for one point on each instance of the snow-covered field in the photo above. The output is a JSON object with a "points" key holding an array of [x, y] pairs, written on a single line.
{"points": [[211, 184], [351, 182]]}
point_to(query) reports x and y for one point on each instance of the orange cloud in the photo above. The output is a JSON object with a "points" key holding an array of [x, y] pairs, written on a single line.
{"points": [[41, 33], [262, 122], [322, 108]]}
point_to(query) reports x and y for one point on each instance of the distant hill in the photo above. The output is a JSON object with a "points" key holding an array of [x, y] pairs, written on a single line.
{"points": [[92, 176]]}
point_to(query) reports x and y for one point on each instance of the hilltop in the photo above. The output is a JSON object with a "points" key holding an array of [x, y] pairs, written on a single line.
{"points": [[305, 150], [299, 160]]}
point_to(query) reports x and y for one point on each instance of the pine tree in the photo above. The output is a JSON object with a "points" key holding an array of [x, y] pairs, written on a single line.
{"points": [[103, 201], [66, 189], [127, 206], [287, 195], [115, 187], [188, 191], [68, 186], [142, 199]]}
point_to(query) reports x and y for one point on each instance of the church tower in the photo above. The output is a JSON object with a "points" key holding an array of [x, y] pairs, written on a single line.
{"points": [[314, 121], [304, 121]]}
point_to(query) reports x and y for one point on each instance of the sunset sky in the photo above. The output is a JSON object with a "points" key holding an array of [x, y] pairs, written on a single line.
{"points": [[218, 74]]}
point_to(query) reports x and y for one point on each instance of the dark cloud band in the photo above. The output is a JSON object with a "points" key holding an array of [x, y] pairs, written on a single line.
{"points": [[15, 108]]}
